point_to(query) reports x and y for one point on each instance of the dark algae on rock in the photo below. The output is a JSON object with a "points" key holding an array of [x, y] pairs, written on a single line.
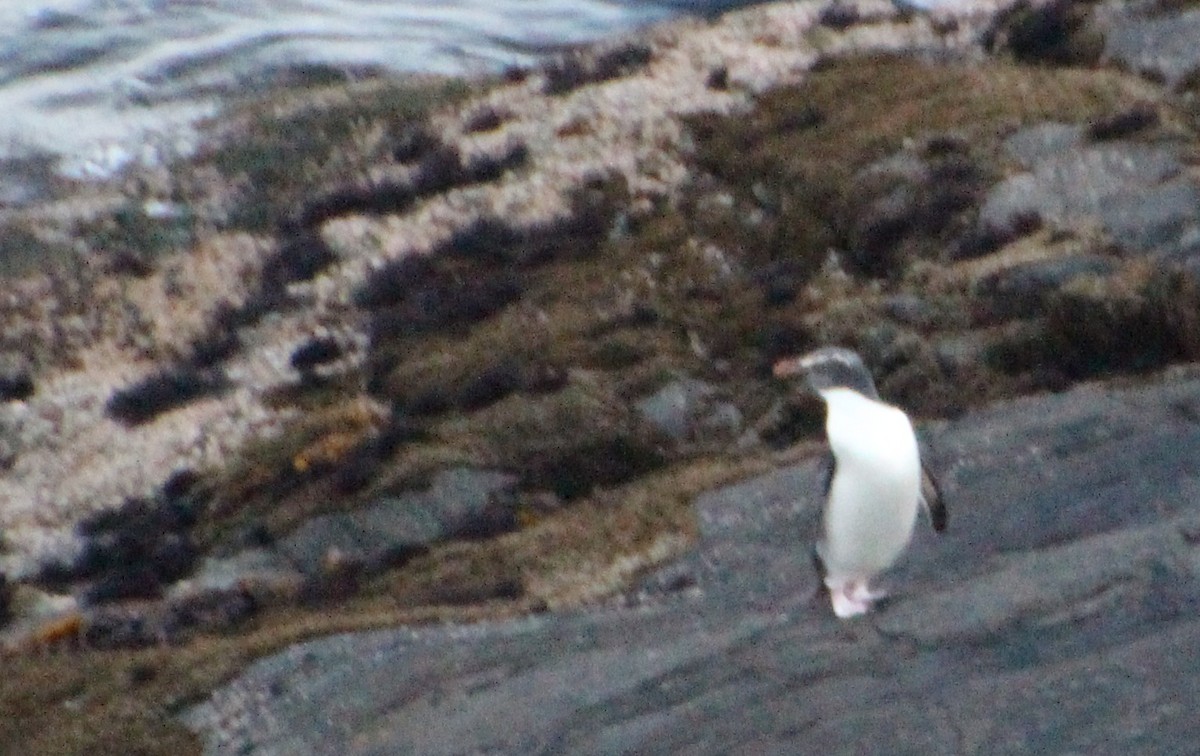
{"points": [[161, 392]]}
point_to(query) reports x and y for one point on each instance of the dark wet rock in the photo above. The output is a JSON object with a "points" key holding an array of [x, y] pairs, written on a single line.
{"points": [[138, 624], [910, 310], [1163, 218], [1139, 193], [909, 198], [687, 409], [122, 627], [16, 377], [459, 503], [1022, 290], [1164, 44], [1057, 613], [212, 610], [959, 354], [1035, 143]]}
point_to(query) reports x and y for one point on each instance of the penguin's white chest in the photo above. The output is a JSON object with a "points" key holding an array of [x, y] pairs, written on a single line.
{"points": [[874, 494]]}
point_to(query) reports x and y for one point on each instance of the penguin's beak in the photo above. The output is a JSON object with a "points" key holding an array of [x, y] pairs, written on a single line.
{"points": [[793, 370], [788, 367]]}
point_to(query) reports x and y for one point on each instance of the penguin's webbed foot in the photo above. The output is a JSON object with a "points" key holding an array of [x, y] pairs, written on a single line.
{"points": [[860, 591], [852, 598], [846, 606]]}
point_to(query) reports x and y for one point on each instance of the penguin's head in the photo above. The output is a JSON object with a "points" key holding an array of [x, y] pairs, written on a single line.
{"points": [[829, 368]]}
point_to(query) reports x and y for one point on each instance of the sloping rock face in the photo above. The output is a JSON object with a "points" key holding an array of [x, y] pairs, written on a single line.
{"points": [[1058, 614]]}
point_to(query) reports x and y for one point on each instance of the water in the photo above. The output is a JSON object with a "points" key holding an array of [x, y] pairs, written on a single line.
{"points": [[102, 82]]}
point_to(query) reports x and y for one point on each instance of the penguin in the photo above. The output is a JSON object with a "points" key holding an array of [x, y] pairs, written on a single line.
{"points": [[874, 480]]}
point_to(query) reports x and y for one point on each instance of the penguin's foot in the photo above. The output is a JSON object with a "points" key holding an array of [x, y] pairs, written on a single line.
{"points": [[846, 606], [861, 592], [851, 598]]}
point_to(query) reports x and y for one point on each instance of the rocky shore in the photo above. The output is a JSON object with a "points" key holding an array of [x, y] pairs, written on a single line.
{"points": [[444, 401], [1058, 616]]}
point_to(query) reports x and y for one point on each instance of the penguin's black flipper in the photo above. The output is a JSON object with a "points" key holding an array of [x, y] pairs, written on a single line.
{"points": [[931, 500], [828, 466]]}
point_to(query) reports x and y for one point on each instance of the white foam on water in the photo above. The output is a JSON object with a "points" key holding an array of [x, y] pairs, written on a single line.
{"points": [[107, 82]]}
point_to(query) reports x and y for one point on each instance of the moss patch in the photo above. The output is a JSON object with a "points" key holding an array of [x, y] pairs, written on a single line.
{"points": [[23, 250], [889, 180], [293, 466], [1143, 318], [802, 150], [135, 238]]}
